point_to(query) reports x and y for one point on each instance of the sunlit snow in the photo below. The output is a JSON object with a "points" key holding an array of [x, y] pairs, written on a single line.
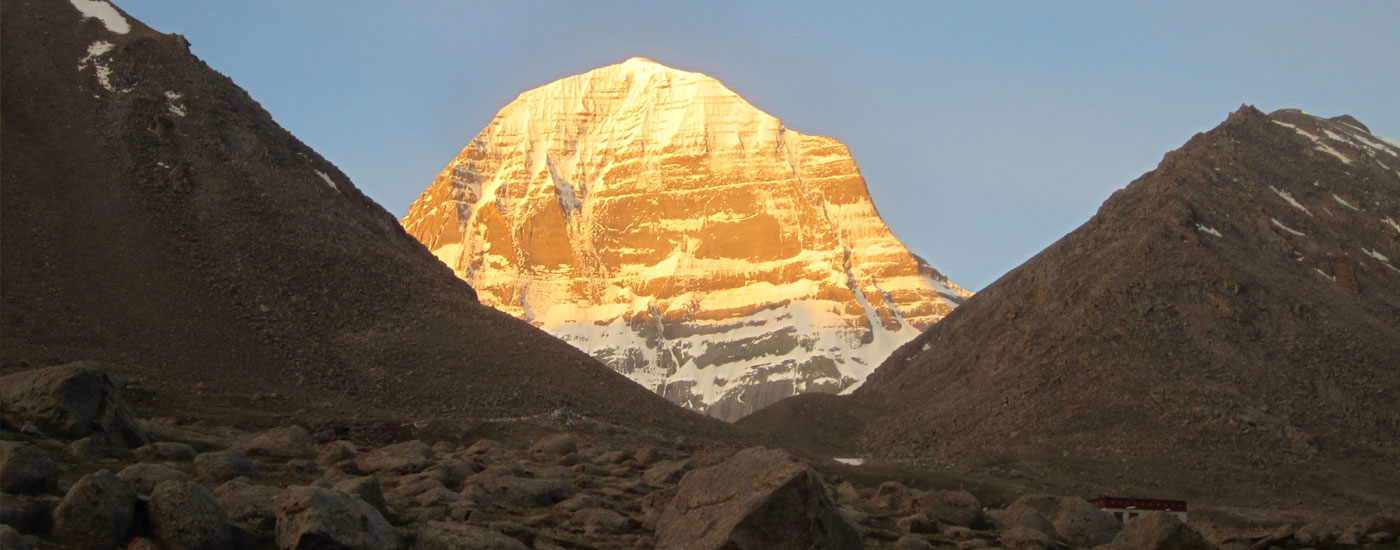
{"points": [[104, 12], [850, 461], [1286, 196], [1286, 228], [171, 98], [1208, 230], [1343, 202], [326, 178]]}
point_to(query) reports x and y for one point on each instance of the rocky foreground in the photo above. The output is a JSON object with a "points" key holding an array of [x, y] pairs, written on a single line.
{"points": [[80, 470]]}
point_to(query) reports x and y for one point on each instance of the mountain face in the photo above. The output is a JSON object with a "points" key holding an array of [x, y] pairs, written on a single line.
{"points": [[656, 220], [1225, 326], [157, 218]]}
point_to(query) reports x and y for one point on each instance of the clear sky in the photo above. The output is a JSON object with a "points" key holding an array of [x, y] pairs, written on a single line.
{"points": [[985, 130]]}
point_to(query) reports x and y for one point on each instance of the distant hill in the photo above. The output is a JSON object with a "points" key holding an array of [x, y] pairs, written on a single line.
{"points": [[156, 217], [1227, 327]]}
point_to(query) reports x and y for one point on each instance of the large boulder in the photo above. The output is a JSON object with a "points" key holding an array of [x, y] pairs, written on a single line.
{"points": [[69, 401], [96, 513], [759, 498], [252, 508], [315, 517], [26, 469], [1070, 519], [1158, 531], [1082, 525], [185, 516], [409, 457], [439, 535]]}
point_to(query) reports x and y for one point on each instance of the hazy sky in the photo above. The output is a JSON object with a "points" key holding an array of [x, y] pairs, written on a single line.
{"points": [[985, 130]]}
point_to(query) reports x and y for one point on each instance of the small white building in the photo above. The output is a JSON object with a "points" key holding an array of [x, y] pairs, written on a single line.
{"points": [[1125, 509]]}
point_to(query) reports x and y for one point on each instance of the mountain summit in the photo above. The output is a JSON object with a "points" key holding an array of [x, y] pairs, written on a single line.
{"points": [[656, 220]]}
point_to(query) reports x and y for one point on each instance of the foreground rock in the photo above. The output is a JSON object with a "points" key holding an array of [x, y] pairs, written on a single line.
{"points": [[759, 499], [1158, 531], [96, 513], [313, 517], [69, 401], [185, 516], [26, 469]]}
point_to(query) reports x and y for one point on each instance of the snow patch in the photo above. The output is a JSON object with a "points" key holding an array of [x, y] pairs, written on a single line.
{"points": [[1286, 228], [1376, 255], [1317, 142], [95, 52], [1332, 278], [1343, 202], [1208, 230], [850, 461], [1392, 223], [1286, 196], [171, 98], [326, 178], [104, 12]]}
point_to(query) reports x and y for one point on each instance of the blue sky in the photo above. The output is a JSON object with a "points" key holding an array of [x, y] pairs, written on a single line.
{"points": [[985, 130]]}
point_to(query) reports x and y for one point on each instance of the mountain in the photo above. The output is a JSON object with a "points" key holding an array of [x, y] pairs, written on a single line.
{"points": [[157, 218], [656, 220], [1225, 327]]}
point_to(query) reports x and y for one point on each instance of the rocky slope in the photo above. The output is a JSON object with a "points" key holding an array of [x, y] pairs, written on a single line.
{"points": [[543, 485], [656, 220], [157, 218], [1224, 328]]}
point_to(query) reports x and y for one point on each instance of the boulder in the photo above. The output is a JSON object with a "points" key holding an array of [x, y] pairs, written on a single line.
{"points": [[950, 507], [283, 442], [665, 472], [185, 516], [918, 523], [313, 517], [486, 447], [1082, 525], [25, 469], [87, 448], [69, 401], [408, 457], [438, 535], [364, 488], [1022, 538], [556, 444], [164, 450], [144, 478], [892, 495], [250, 507], [96, 512], [1158, 531], [501, 487], [334, 452], [11, 539], [600, 521], [221, 466], [759, 498], [910, 542]]}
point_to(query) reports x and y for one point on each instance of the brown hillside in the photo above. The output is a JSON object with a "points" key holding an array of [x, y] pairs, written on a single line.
{"points": [[156, 217], [1143, 353]]}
